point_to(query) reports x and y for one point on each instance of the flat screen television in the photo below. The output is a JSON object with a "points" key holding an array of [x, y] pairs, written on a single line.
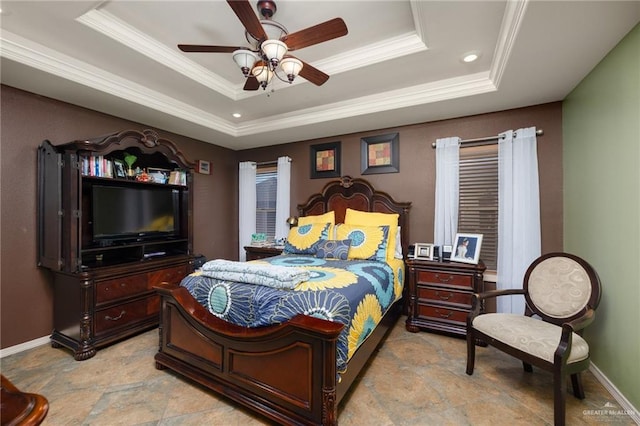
{"points": [[138, 213]]}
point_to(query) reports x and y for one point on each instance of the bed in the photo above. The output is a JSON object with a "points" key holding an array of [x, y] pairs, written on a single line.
{"points": [[293, 372]]}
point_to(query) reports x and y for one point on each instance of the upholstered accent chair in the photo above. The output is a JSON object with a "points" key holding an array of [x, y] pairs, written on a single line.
{"points": [[561, 292]]}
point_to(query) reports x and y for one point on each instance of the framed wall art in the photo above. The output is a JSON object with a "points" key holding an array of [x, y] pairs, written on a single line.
{"points": [[380, 154], [204, 167], [325, 160], [466, 248]]}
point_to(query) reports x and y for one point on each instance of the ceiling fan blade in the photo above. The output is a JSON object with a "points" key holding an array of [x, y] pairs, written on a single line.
{"points": [[249, 19], [252, 83], [328, 30], [312, 74], [205, 48]]}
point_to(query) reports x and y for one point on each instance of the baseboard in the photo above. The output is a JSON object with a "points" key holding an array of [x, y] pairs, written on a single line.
{"points": [[11, 350], [625, 406]]}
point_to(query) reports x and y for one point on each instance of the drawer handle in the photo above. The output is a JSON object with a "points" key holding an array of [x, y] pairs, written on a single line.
{"points": [[119, 317], [444, 296], [444, 316], [444, 280]]}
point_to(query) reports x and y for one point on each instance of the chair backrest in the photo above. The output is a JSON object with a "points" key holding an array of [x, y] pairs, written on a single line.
{"points": [[560, 287]]}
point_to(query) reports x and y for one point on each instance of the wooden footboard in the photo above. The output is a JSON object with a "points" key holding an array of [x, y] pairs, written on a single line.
{"points": [[286, 372]]}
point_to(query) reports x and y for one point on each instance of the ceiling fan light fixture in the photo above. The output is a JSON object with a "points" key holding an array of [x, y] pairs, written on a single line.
{"points": [[262, 73], [291, 67], [245, 60], [274, 51]]}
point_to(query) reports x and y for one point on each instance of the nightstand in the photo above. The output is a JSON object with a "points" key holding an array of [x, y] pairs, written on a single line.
{"points": [[440, 295], [255, 252]]}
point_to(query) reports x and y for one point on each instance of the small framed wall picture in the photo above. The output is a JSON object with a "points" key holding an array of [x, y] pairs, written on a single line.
{"points": [[380, 154], [325, 160], [423, 251], [466, 248], [204, 167]]}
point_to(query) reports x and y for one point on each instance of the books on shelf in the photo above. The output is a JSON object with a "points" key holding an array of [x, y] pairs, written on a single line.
{"points": [[97, 165]]}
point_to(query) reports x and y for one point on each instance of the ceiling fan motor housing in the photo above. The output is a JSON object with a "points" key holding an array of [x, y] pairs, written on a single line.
{"points": [[267, 8]]}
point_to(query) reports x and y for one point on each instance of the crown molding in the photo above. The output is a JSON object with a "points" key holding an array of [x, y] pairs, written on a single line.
{"points": [[42, 58], [513, 17], [118, 30], [411, 96]]}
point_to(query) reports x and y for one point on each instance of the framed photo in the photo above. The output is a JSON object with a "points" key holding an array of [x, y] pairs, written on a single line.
{"points": [[466, 248], [118, 169], [204, 167], [159, 175], [423, 251], [380, 154], [325, 160]]}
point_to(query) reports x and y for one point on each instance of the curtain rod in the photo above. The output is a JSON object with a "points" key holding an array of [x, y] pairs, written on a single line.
{"points": [[479, 141]]}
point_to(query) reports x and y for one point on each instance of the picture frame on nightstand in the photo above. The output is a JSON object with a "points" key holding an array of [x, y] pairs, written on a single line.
{"points": [[467, 248], [423, 251]]}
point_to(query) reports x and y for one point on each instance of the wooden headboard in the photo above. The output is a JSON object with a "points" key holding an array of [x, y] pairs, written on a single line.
{"points": [[357, 194]]}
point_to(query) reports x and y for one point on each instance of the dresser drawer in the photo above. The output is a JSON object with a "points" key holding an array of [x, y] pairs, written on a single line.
{"points": [[444, 295], [445, 278], [439, 313], [126, 314], [169, 275], [120, 287]]}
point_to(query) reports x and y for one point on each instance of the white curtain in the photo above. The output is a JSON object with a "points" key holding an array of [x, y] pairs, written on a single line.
{"points": [[283, 197], [247, 206], [518, 212], [447, 190]]}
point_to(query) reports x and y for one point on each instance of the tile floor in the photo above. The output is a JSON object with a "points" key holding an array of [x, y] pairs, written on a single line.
{"points": [[415, 379]]}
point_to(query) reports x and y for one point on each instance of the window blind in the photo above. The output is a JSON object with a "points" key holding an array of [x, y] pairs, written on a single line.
{"points": [[478, 208], [266, 189]]}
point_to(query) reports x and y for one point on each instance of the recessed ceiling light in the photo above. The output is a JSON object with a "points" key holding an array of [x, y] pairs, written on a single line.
{"points": [[237, 115], [470, 57]]}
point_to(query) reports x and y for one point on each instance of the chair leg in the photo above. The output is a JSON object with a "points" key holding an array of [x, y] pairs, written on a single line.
{"points": [[576, 382], [527, 367], [559, 397], [471, 352]]}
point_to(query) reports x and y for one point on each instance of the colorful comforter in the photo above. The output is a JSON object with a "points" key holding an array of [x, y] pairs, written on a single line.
{"points": [[356, 293]]}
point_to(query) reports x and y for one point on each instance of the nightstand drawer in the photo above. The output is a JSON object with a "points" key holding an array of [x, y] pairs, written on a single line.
{"points": [[445, 278], [120, 287], [440, 313], [444, 295]]}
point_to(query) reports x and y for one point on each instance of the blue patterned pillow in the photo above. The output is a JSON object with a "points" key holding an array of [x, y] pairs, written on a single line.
{"points": [[304, 239], [367, 242], [333, 249]]}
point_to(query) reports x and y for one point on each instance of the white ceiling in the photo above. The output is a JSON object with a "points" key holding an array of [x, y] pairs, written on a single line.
{"points": [[399, 64]]}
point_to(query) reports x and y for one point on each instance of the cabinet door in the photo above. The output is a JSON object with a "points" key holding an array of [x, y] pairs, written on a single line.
{"points": [[49, 207]]}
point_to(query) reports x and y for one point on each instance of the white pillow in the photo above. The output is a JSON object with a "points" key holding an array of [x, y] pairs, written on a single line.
{"points": [[398, 252]]}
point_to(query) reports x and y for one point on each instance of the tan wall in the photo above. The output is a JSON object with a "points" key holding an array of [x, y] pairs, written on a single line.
{"points": [[26, 120], [416, 180]]}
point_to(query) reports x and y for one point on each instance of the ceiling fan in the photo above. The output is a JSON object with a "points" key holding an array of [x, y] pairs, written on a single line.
{"points": [[270, 42]]}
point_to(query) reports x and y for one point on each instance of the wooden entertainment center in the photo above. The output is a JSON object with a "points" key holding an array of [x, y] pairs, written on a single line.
{"points": [[108, 235]]}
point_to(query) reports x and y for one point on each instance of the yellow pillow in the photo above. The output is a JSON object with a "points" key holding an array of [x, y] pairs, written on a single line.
{"points": [[328, 217], [367, 242], [305, 239], [357, 217]]}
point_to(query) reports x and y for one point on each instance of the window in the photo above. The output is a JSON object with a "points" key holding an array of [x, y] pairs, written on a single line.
{"points": [[266, 188], [478, 204]]}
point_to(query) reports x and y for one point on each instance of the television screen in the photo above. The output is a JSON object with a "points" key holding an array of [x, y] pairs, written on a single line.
{"points": [[134, 212]]}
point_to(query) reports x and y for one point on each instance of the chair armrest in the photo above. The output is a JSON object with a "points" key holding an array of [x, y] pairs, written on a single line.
{"points": [[496, 293], [566, 339], [477, 298]]}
